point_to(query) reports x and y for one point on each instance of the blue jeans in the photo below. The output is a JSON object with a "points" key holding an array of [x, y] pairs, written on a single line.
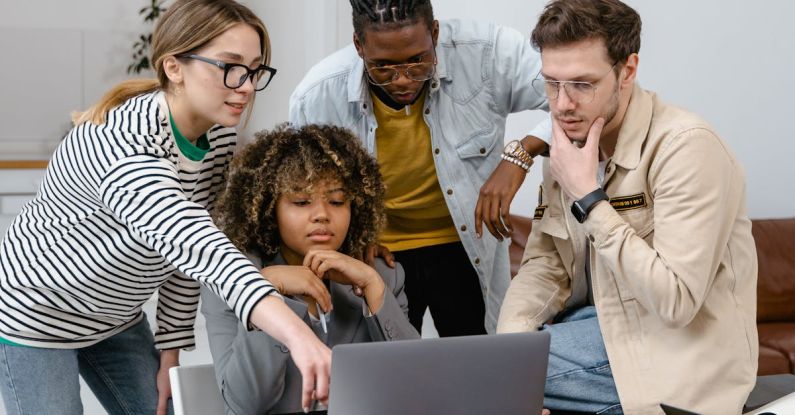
{"points": [[578, 375], [120, 370]]}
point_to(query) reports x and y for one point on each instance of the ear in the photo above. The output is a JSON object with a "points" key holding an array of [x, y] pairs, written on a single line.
{"points": [[630, 71], [358, 44], [173, 69], [435, 32]]}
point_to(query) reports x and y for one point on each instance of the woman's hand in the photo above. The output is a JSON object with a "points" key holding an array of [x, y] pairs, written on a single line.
{"points": [[343, 269], [298, 280], [168, 359], [311, 357]]}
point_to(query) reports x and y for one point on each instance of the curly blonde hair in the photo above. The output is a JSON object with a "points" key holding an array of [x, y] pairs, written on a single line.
{"points": [[288, 160]]}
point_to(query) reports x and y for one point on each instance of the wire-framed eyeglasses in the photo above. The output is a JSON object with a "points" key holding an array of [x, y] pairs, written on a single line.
{"points": [[415, 71], [235, 74], [581, 92]]}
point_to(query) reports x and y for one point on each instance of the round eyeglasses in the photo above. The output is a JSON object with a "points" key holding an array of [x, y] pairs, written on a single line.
{"points": [[581, 92], [386, 74], [235, 74]]}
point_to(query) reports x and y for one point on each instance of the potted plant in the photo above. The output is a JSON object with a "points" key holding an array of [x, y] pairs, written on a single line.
{"points": [[140, 54]]}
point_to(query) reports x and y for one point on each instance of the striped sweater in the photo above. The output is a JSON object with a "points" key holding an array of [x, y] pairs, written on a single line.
{"points": [[122, 214]]}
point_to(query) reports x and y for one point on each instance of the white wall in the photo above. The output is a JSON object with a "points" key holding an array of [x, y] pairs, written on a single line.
{"points": [[58, 57], [730, 61], [302, 33]]}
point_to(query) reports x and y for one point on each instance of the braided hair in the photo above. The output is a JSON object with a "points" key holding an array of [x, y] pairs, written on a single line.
{"points": [[389, 14]]}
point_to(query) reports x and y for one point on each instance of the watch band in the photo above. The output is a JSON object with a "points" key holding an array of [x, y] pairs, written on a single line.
{"points": [[581, 208], [519, 152]]}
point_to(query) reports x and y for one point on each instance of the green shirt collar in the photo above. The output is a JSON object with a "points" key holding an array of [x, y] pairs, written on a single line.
{"points": [[193, 152]]}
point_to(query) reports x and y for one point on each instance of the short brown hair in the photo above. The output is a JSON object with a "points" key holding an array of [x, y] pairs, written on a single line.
{"points": [[568, 21], [288, 160]]}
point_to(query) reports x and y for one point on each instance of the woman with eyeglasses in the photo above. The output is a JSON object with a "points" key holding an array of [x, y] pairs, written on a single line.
{"points": [[123, 212]]}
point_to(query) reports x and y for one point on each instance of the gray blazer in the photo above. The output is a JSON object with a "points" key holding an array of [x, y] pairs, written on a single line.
{"points": [[254, 371]]}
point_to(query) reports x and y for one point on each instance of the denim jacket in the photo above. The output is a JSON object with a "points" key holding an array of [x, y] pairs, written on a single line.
{"points": [[484, 73]]}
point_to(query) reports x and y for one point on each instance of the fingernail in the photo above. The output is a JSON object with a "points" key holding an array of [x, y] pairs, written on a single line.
{"points": [[477, 235], [306, 409]]}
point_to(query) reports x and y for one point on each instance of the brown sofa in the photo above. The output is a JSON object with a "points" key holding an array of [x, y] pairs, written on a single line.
{"points": [[775, 245]]}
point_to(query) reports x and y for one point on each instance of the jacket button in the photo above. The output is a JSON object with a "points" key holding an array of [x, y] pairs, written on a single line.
{"points": [[482, 151], [463, 228], [449, 191], [427, 110], [282, 348], [477, 261], [364, 106], [433, 85], [436, 151], [590, 238], [607, 169]]}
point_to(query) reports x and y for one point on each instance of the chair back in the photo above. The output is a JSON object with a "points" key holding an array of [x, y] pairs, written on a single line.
{"points": [[194, 391]]}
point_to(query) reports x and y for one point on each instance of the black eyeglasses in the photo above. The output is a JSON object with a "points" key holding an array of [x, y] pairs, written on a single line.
{"points": [[235, 74]]}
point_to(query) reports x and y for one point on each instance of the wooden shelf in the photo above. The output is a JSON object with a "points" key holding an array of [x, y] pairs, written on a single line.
{"points": [[23, 164]]}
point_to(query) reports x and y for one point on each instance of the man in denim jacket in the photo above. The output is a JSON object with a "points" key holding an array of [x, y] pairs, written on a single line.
{"points": [[429, 99]]}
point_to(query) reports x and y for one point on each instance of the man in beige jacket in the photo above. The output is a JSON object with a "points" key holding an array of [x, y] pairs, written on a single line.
{"points": [[640, 262]]}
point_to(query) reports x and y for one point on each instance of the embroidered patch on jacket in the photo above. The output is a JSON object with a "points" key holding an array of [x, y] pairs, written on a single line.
{"points": [[539, 213], [628, 202]]}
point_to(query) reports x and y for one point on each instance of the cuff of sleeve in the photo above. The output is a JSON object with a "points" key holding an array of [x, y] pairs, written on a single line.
{"points": [[180, 339], [366, 312], [517, 326], [601, 222], [251, 295], [543, 131]]}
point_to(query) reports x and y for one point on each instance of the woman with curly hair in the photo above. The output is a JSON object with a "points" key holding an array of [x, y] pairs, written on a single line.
{"points": [[304, 204]]}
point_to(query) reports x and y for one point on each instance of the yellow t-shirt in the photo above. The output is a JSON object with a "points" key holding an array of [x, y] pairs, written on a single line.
{"points": [[417, 215]]}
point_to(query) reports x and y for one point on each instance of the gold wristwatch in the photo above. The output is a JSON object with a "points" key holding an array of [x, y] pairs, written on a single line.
{"points": [[516, 154]]}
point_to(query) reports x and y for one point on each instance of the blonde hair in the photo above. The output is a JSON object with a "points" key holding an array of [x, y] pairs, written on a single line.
{"points": [[186, 26]]}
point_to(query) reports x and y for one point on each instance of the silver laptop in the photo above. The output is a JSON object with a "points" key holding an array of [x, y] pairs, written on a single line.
{"points": [[487, 374]]}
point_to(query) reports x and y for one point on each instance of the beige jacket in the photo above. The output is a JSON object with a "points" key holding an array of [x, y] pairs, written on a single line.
{"points": [[673, 265]]}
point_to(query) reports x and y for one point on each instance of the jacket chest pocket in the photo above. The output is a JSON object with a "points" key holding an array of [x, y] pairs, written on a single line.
{"points": [[475, 150]]}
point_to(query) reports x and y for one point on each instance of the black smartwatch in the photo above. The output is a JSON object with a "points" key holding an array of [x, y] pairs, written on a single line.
{"points": [[580, 208]]}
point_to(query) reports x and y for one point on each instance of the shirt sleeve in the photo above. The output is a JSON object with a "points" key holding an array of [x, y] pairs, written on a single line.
{"points": [[177, 302], [543, 130], [515, 65], [297, 115], [145, 193], [540, 288]]}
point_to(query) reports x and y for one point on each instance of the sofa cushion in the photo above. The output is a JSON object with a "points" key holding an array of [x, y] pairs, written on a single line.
{"points": [[772, 362], [779, 337], [775, 249]]}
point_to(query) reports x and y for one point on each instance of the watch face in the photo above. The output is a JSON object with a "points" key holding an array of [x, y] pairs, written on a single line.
{"points": [[511, 147], [578, 212]]}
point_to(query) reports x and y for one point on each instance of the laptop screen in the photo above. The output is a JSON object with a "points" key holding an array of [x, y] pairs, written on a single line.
{"points": [[502, 373]]}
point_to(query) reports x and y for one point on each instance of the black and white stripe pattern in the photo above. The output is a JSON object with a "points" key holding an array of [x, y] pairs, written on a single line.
{"points": [[120, 215]]}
